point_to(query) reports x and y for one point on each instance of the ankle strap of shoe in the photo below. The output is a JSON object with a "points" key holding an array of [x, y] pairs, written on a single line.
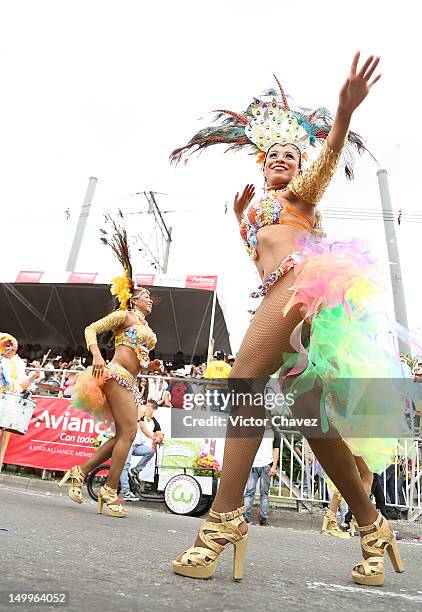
{"points": [[228, 516], [376, 524]]}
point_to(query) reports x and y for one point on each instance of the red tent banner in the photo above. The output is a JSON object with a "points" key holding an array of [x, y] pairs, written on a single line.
{"points": [[58, 437], [26, 276], [188, 281], [145, 279], [201, 282], [82, 277]]}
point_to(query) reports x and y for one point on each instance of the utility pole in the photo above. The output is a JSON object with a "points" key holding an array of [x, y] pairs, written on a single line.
{"points": [[161, 224], [167, 253], [393, 255], [80, 228]]}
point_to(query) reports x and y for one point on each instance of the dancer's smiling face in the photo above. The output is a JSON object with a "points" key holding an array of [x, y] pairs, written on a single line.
{"points": [[142, 301], [282, 163]]}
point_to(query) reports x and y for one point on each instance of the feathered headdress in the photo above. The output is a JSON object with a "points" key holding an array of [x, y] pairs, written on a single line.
{"points": [[123, 285], [267, 121]]}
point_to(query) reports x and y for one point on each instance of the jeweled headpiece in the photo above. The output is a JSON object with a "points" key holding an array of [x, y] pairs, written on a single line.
{"points": [[270, 120]]}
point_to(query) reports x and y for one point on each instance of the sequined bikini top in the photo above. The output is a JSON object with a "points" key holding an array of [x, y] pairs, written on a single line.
{"points": [[268, 212], [309, 187], [138, 337]]}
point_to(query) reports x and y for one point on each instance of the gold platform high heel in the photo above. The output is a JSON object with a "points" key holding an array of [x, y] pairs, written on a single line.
{"points": [[78, 477], [200, 562], [109, 496], [330, 526], [380, 540]]}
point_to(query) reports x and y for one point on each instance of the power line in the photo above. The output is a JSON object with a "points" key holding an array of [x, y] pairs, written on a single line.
{"points": [[333, 212]]}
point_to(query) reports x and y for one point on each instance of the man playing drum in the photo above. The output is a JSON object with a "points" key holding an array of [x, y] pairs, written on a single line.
{"points": [[15, 412]]}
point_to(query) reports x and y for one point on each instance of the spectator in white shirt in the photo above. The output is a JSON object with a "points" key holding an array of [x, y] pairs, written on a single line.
{"points": [[263, 469]]}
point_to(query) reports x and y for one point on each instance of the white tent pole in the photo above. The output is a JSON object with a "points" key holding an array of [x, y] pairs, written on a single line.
{"points": [[201, 326], [65, 316], [214, 303], [49, 301], [176, 328]]}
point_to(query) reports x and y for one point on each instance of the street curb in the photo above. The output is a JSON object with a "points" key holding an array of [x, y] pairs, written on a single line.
{"points": [[29, 484], [279, 516]]}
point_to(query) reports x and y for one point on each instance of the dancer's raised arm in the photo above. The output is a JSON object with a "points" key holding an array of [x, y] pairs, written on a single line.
{"points": [[352, 94], [310, 185]]}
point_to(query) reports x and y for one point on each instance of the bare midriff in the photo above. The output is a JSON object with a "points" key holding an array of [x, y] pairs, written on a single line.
{"points": [[126, 357]]}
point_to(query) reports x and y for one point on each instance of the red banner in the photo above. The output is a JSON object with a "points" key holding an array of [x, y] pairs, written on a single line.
{"points": [[26, 276], [58, 437], [201, 282], [144, 279], [82, 277]]}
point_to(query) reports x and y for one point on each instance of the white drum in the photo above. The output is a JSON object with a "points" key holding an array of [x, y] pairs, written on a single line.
{"points": [[15, 413]]}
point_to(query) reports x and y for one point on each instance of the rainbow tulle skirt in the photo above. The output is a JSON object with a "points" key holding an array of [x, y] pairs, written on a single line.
{"points": [[351, 351], [88, 391]]}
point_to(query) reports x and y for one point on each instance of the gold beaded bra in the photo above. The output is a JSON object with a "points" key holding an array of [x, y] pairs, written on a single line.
{"points": [[138, 337]]}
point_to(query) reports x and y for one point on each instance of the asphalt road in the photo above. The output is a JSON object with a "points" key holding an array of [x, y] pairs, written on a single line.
{"points": [[48, 543]]}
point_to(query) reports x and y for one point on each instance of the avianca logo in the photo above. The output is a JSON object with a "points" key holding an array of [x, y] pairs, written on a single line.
{"points": [[68, 423]]}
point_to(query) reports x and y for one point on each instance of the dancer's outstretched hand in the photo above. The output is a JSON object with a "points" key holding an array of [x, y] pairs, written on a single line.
{"points": [[241, 202], [358, 84]]}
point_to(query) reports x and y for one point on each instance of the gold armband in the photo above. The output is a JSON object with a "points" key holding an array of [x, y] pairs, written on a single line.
{"points": [[311, 185], [109, 323]]}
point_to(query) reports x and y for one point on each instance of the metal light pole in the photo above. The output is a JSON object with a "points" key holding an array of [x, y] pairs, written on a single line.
{"points": [[80, 228], [393, 254], [210, 347]]}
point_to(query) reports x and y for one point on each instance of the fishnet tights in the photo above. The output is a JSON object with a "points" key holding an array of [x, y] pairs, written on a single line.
{"points": [[260, 355]]}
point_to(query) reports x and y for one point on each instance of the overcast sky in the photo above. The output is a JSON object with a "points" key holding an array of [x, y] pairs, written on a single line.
{"points": [[108, 89]]}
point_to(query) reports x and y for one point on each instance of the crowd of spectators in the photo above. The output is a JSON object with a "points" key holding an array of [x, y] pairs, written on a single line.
{"points": [[58, 367]]}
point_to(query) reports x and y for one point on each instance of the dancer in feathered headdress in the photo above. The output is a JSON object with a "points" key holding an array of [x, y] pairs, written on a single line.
{"points": [[307, 281], [110, 391]]}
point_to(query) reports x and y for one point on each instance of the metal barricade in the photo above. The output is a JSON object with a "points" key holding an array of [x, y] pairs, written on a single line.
{"points": [[301, 479]]}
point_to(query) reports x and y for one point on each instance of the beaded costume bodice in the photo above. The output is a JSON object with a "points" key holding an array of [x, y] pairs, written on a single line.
{"points": [[138, 337], [309, 187]]}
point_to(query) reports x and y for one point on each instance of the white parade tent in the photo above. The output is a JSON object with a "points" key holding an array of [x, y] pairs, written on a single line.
{"points": [[53, 308]]}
